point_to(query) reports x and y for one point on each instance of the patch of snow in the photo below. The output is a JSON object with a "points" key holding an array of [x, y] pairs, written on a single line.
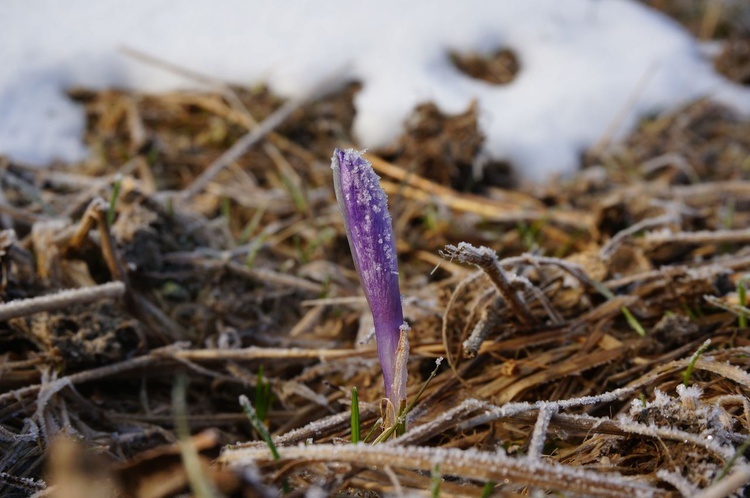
{"points": [[587, 66]]}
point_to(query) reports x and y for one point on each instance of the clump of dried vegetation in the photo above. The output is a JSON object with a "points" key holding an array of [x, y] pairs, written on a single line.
{"points": [[594, 331]]}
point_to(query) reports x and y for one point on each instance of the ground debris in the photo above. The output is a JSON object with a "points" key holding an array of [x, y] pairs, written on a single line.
{"points": [[566, 351]]}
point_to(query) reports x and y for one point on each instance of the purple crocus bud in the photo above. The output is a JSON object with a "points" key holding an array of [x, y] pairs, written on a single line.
{"points": [[364, 207]]}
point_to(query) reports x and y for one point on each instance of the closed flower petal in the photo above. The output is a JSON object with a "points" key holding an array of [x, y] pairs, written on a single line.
{"points": [[364, 207]]}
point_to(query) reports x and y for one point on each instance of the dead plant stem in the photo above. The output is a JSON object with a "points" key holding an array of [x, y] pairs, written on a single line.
{"points": [[61, 300]]}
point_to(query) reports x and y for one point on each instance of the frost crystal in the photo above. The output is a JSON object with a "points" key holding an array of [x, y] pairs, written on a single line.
{"points": [[688, 412], [364, 207]]}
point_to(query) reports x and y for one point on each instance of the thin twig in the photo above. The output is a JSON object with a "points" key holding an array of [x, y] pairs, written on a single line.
{"points": [[728, 485], [254, 353], [61, 300], [468, 464], [661, 237], [539, 435], [156, 357], [609, 248], [485, 259]]}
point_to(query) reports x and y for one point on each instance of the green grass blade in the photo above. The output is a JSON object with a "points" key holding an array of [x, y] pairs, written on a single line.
{"points": [[691, 365], [633, 321], [436, 478], [355, 416], [258, 425]]}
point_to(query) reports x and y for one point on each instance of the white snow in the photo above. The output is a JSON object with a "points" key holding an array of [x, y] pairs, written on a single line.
{"points": [[586, 65]]}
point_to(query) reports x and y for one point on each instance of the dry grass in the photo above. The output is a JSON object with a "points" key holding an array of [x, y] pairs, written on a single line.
{"points": [[566, 346]]}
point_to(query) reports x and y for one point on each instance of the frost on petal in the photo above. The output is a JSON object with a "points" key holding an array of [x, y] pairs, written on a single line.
{"points": [[364, 207]]}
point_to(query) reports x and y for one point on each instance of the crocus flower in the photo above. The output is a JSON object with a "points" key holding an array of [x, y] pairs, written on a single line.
{"points": [[364, 207]]}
